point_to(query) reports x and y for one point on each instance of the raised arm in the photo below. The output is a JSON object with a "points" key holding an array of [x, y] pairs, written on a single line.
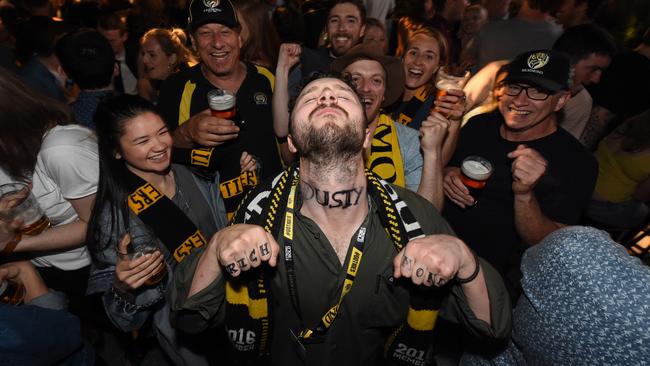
{"points": [[433, 133], [289, 56]]}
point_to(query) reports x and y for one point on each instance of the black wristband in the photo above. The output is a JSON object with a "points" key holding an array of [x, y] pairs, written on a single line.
{"points": [[473, 275]]}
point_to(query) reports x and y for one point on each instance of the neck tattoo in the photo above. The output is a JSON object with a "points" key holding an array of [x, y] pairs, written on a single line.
{"points": [[343, 198]]}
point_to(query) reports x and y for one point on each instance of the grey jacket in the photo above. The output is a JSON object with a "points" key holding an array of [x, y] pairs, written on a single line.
{"points": [[130, 312]]}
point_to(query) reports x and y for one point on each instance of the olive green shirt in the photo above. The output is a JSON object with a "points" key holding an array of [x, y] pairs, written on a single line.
{"points": [[376, 305]]}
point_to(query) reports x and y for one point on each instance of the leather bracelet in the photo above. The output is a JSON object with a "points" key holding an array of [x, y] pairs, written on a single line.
{"points": [[471, 278]]}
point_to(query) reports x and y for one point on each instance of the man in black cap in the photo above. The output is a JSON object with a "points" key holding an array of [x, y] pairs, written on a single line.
{"points": [[215, 34], [542, 177]]}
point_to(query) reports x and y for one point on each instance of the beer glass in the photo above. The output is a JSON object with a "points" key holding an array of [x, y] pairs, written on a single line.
{"points": [[222, 103], [21, 204], [142, 244], [475, 172], [451, 78], [12, 293]]}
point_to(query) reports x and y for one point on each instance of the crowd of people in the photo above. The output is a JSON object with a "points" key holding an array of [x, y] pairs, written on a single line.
{"points": [[321, 182]]}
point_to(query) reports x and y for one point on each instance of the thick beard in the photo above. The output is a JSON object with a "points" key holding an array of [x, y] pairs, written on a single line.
{"points": [[329, 149]]}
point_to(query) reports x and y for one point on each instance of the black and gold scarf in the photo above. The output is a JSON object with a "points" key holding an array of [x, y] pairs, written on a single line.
{"points": [[168, 222], [409, 109], [247, 305]]}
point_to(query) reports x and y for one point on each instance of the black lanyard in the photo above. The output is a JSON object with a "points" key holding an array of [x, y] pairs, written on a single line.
{"points": [[351, 272]]}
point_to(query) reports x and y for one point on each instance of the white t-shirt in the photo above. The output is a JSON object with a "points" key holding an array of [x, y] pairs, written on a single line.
{"points": [[576, 113], [67, 167]]}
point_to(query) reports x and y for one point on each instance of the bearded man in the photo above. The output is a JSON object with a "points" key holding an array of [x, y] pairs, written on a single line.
{"points": [[328, 264]]}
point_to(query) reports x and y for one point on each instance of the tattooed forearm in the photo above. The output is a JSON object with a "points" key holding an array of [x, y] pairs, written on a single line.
{"points": [[596, 127], [343, 199]]}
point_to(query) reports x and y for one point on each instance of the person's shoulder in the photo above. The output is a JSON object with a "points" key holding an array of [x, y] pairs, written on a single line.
{"points": [[424, 211], [405, 131], [182, 76], [570, 143], [484, 122], [68, 136], [257, 199], [409, 196], [261, 74]]}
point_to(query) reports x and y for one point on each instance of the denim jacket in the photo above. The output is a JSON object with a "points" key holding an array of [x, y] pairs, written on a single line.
{"points": [[129, 312]]}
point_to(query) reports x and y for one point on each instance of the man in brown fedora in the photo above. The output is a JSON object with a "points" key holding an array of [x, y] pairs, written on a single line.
{"points": [[398, 153]]}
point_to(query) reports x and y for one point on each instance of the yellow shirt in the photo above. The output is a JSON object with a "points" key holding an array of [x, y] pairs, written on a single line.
{"points": [[619, 173]]}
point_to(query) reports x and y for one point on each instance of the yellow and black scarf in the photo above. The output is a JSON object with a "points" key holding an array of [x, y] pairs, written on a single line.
{"points": [[168, 222], [409, 109], [248, 320], [385, 157]]}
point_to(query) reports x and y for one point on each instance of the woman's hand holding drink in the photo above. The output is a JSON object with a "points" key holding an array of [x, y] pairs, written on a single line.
{"points": [[142, 265], [450, 97], [20, 211]]}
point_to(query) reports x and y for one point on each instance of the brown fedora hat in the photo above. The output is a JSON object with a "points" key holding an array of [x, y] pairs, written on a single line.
{"points": [[392, 66]]}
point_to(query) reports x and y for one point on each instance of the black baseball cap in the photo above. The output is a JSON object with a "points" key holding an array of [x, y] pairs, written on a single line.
{"points": [[547, 69], [212, 11]]}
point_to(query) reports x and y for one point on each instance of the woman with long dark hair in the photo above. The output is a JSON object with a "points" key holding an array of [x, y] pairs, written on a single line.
{"points": [[144, 200]]}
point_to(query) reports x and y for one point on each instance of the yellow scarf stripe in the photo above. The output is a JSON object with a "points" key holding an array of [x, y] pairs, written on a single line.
{"points": [[385, 158], [423, 92], [195, 240], [422, 320], [268, 74], [393, 231], [257, 308], [143, 198], [186, 102]]}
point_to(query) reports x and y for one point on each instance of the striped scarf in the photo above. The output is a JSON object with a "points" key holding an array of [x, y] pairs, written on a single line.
{"points": [[248, 319]]}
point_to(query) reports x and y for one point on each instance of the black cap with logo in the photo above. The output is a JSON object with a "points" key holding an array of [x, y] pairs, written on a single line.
{"points": [[212, 11], [547, 69]]}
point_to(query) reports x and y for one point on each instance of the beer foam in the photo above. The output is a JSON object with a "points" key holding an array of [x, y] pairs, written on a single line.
{"points": [[220, 100], [447, 85], [478, 169]]}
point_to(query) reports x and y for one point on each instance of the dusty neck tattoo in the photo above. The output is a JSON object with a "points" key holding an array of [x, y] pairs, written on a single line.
{"points": [[338, 199]]}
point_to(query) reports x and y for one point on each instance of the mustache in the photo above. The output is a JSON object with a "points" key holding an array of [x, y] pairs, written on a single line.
{"points": [[322, 106], [343, 34]]}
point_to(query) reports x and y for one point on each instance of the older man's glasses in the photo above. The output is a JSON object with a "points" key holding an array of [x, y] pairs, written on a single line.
{"points": [[532, 92]]}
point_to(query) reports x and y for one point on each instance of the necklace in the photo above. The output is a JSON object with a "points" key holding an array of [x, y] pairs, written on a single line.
{"points": [[182, 200]]}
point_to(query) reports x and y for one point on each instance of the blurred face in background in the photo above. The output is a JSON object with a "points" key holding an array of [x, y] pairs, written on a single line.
{"points": [[157, 64], [589, 70], [116, 38], [473, 19], [344, 27], [376, 35], [497, 9], [455, 9]]}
